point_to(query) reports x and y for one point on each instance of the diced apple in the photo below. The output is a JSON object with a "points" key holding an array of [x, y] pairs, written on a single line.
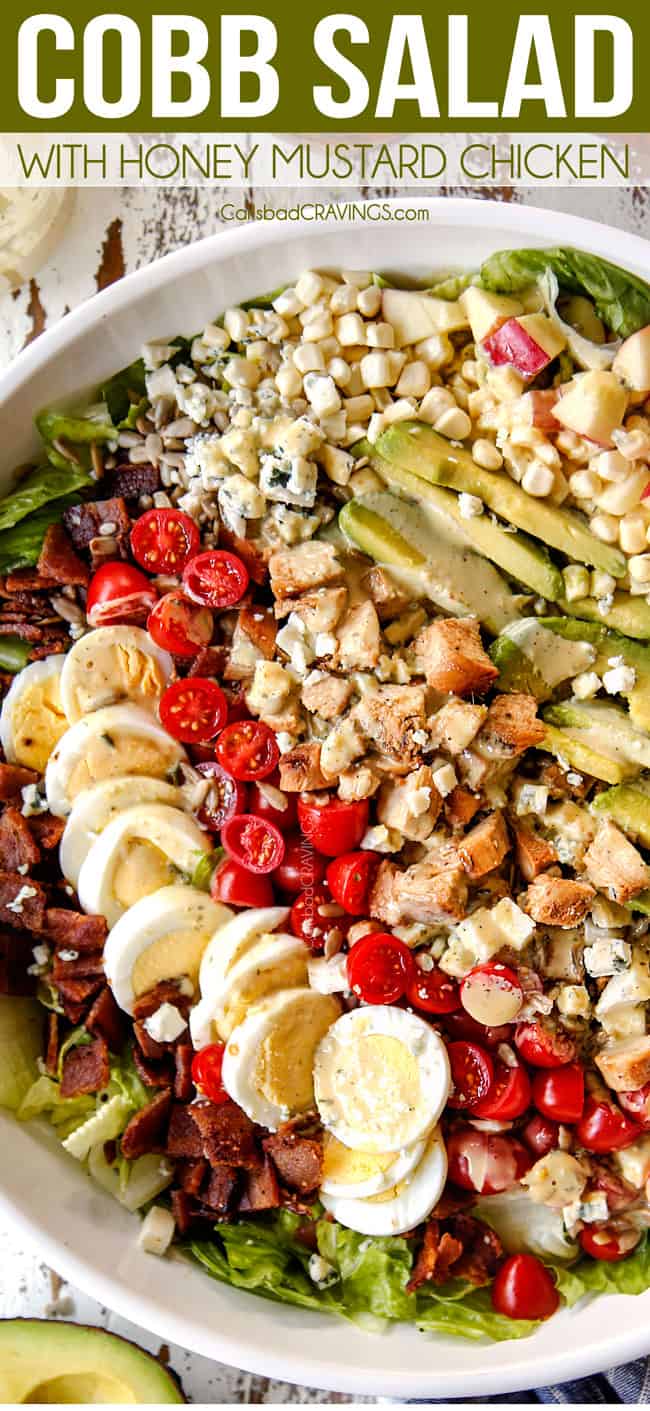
{"points": [[632, 361], [528, 344], [536, 408], [593, 406], [415, 317], [486, 311]]}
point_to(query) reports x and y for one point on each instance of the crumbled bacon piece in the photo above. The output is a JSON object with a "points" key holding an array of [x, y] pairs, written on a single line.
{"points": [[183, 1085], [47, 830], [297, 1157], [18, 850], [459, 1246], [58, 559], [167, 992], [14, 778], [15, 958], [183, 1135], [22, 902], [261, 1189], [146, 1128], [86, 1069], [228, 1135], [220, 1189], [105, 1019], [52, 1044], [73, 930], [129, 482], [83, 523], [153, 1074]]}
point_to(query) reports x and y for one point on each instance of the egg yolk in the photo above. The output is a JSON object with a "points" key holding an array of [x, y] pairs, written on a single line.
{"points": [[350, 1168], [285, 1061], [108, 756], [263, 980], [376, 1085], [38, 723], [116, 673], [141, 870], [169, 958]]}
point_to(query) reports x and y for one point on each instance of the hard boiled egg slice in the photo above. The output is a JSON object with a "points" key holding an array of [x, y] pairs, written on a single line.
{"points": [[143, 849], [273, 963], [121, 739], [162, 937], [268, 1060], [231, 942], [98, 806], [381, 1078], [358, 1174], [33, 719], [404, 1205], [113, 664]]}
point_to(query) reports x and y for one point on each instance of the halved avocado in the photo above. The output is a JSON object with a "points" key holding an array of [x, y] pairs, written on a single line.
{"points": [[377, 537], [628, 615], [516, 670], [610, 644], [605, 727], [580, 756], [531, 657], [65, 1363], [414, 446]]}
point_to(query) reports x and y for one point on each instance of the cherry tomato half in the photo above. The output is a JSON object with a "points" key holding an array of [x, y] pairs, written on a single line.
{"points": [[637, 1105], [225, 798], [236, 886], [603, 1127], [559, 1093], [193, 710], [472, 1072], [253, 842], [379, 968], [206, 1072], [349, 879], [460, 1025], [333, 827], [540, 1135], [248, 750], [523, 1288], [492, 994], [509, 1096], [180, 626], [432, 991], [605, 1243], [216, 578], [301, 866], [315, 917], [117, 592], [544, 1048], [486, 1162], [268, 801], [163, 540]]}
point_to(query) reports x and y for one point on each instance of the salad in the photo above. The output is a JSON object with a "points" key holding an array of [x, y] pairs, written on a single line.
{"points": [[325, 879]]}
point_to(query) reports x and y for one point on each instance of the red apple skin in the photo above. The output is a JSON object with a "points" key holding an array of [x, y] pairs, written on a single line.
{"points": [[540, 409], [511, 344]]}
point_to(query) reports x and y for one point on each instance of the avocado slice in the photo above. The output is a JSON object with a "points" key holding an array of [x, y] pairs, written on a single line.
{"points": [[520, 557], [610, 644], [66, 1363], [531, 658], [579, 755], [420, 449], [629, 806], [605, 728], [628, 615], [437, 563]]}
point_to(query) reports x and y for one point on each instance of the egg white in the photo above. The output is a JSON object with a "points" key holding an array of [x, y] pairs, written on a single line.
{"points": [[85, 743], [381, 1172], [169, 830], [274, 963], [381, 1078], [404, 1206], [111, 664], [98, 806], [231, 941], [32, 677], [171, 912], [291, 1018]]}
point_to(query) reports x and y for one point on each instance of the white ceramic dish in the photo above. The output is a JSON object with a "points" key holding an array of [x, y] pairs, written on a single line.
{"points": [[79, 1230]]}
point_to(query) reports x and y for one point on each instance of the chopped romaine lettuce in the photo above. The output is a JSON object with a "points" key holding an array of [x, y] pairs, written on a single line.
{"points": [[20, 545], [79, 430], [125, 394], [373, 1272], [468, 1314], [621, 299], [37, 490], [589, 1276]]}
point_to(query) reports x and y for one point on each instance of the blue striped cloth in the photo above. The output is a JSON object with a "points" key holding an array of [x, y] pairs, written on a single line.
{"points": [[630, 1384]]}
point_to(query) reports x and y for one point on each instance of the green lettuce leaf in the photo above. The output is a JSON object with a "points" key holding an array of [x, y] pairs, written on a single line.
{"points": [[373, 1272], [21, 1042], [38, 489], [621, 299], [122, 408], [79, 430], [590, 1276], [265, 1258], [43, 1099], [14, 654], [468, 1314], [20, 545]]}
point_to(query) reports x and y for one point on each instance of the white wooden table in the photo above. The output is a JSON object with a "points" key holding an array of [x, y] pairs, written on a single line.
{"points": [[110, 233]]}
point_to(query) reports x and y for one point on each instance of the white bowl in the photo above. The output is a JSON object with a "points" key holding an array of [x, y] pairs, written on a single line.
{"points": [[80, 1231]]}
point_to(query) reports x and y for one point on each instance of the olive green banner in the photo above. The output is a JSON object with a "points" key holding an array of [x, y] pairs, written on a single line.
{"points": [[300, 68]]}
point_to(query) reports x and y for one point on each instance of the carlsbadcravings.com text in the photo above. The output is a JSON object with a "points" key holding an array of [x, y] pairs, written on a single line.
{"points": [[325, 210]]}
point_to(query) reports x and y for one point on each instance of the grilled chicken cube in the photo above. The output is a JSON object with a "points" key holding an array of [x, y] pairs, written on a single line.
{"points": [[625, 1064], [393, 719], [410, 805], [484, 847], [454, 726], [534, 854], [557, 901], [325, 694], [421, 893], [300, 769], [451, 655], [359, 639], [511, 726], [320, 609], [389, 599], [309, 565], [614, 865]]}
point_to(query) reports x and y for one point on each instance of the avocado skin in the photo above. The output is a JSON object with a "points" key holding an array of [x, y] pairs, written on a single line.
{"points": [[41, 1361], [580, 756], [628, 806], [516, 671], [418, 448]]}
